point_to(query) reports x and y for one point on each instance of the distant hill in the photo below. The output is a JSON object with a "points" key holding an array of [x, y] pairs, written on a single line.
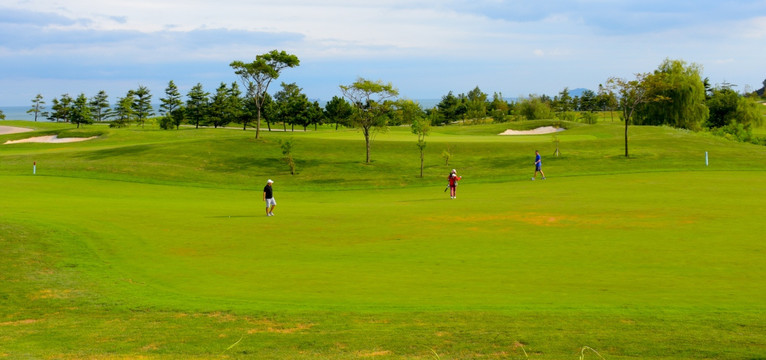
{"points": [[576, 92]]}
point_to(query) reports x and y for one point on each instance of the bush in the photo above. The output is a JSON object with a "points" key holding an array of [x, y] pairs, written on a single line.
{"points": [[535, 109], [498, 116], [735, 131], [166, 122], [589, 117], [567, 116]]}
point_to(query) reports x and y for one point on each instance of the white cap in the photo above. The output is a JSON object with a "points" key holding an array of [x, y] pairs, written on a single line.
{"points": [[453, 170], [269, 181]]}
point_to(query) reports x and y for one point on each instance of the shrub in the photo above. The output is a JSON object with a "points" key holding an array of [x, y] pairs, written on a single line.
{"points": [[166, 122], [567, 115], [588, 117]]}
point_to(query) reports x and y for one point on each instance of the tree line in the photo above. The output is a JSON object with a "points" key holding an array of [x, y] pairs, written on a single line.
{"points": [[674, 94]]}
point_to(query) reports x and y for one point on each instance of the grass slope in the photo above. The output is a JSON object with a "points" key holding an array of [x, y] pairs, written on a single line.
{"points": [[154, 244]]}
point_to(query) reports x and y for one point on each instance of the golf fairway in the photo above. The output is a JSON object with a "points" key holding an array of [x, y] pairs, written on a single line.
{"points": [[553, 244]]}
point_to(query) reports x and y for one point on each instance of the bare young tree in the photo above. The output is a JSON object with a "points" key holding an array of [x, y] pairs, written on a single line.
{"points": [[634, 93]]}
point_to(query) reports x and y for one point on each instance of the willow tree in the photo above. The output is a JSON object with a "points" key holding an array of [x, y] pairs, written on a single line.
{"points": [[370, 107], [258, 74], [684, 90]]}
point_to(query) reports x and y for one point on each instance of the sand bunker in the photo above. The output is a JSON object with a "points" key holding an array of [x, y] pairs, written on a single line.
{"points": [[538, 131], [5, 130], [51, 139]]}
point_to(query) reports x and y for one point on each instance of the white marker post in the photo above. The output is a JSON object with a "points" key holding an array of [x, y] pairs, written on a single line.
{"points": [[706, 163], [34, 167]]}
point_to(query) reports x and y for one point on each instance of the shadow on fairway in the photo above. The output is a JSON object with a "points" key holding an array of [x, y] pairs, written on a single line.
{"points": [[231, 216]]}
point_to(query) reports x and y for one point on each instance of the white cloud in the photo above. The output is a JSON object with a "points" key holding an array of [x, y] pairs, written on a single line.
{"points": [[512, 45]]}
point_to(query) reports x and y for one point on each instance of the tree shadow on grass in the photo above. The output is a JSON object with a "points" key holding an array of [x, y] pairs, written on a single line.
{"points": [[117, 151]]}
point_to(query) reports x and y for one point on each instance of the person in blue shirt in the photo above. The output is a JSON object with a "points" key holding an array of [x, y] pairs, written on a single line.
{"points": [[538, 165]]}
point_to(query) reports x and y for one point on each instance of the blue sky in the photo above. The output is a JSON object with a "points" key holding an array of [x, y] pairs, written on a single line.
{"points": [[426, 48]]}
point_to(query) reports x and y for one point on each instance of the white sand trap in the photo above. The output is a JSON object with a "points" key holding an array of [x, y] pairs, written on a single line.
{"points": [[538, 131], [50, 139], [5, 130]]}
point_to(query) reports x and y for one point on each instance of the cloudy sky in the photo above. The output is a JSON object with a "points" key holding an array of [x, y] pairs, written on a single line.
{"points": [[426, 48]]}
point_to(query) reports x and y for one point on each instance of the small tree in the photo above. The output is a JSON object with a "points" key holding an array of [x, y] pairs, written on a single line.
{"points": [[447, 154], [260, 73], [368, 98], [123, 111], [170, 104], [142, 104], [62, 108], [2, 115], [196, 105], [421, 127], [287, 152], [99, 106], [37, 106], [80, 113], [634, 93]]}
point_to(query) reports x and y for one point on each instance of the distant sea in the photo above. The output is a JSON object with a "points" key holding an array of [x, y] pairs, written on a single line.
{"points": [[19, 113]]}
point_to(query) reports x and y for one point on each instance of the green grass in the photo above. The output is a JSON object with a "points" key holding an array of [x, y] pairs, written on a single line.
{"points": [[147, 243]]}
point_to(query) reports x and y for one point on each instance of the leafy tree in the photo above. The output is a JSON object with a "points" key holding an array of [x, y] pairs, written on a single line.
{"points": [[170, 107], [315, 115], [368, 98], [421, 127], [405, 111], [338, 110], [172, 99], [270, 109], [635, 93], [749, 112], [607, 100], [123, 110], [563, 102], [249, 110], [722, 106], [99, 106], [51, 115], [37, 106], [62, 108], [291, 106], [588, 101], [498, 108], [218, 114], [476, 104], [142, 104], [197, 105], [2, 115], [685, 92], [534, 108], [80, 112], [260, 73], [734, 116], [450, 108], [234, 104], [225, 106]]}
